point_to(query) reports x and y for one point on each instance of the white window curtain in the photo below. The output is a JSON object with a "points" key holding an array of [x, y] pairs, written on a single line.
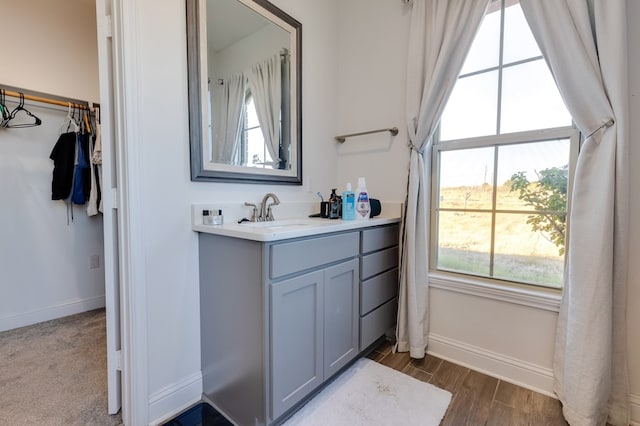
{"points": [[265, 79], [441, 34], [584, 43], [228, 101]]}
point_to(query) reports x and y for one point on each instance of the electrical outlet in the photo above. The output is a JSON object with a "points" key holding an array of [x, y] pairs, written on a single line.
{"points": [[94, 261]]}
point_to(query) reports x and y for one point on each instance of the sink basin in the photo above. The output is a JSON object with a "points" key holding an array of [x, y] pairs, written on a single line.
{"points": [[279, 224]]}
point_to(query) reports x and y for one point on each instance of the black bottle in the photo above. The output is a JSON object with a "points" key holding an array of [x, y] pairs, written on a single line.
{"points": [[335, 205]]}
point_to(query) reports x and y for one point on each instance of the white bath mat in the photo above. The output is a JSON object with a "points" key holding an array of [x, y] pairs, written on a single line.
{"points": [[369, 394]]}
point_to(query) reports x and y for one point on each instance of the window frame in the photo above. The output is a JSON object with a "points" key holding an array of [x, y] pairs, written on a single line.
{"points": [[529, 294], [244, 139], [531, 136]]}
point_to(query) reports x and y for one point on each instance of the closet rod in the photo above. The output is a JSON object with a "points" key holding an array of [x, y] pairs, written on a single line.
{"points": [[392, 130], [47, 98]]}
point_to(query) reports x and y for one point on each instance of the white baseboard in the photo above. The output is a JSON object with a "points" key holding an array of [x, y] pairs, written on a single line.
{"points": [[167, 402], [51, 312], [503, 367]]}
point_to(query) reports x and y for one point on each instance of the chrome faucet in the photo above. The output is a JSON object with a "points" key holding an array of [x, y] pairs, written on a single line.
{"points": [[266, 215]]}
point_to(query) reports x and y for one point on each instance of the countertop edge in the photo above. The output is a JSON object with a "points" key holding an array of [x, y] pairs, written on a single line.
{"points": [[235, 230]]}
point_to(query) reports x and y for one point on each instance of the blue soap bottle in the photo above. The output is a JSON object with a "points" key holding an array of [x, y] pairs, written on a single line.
{"points": [[348, 204]]}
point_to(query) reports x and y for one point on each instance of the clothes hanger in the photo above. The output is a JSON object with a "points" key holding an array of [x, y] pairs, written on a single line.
{"points": [[79, 119], [14, 114], [69, 122], [6, 114], [87, 125]]}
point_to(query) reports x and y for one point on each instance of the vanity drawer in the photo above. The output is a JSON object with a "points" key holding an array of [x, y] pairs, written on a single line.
{"points": [[377, 262], [379, 238], [294, 256], [377, 290], [376, 323]]}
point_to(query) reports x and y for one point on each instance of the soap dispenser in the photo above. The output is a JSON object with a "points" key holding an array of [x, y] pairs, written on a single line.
{"points": [[348, 203], [363, 207], [334, 205]]}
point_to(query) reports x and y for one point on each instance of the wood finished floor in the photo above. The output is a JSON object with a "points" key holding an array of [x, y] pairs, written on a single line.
{"points": [[477, 399]]}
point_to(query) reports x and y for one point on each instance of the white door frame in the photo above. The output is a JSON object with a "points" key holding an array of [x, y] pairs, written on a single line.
{"points": [[120, 107]]}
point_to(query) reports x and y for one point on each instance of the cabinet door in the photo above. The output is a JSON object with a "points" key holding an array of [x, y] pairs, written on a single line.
{"points": [[341, 301], [296, 340]]}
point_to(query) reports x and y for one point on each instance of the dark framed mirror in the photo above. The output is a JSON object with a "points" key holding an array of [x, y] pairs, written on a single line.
{"points": [[244, 61]]}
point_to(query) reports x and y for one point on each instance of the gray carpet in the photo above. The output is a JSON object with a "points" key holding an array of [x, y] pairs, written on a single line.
{"points": [[54, 373]]}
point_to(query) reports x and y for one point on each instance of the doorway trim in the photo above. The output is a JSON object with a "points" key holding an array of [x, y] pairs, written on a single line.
{"points": [[120, 102]]}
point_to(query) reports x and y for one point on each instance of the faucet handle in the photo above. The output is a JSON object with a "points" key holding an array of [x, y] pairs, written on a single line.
{"points": [[254, 211]]}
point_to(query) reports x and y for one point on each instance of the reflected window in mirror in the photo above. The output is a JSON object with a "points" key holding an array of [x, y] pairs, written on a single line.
{"points": [[245, 121]]}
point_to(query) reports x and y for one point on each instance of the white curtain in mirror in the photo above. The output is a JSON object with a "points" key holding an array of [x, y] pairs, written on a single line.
{"points": [[265, 80], [227, 107]]}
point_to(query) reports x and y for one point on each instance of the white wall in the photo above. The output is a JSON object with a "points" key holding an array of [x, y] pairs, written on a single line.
{"points": [[166, 192], [372, 56], [50, 47], [247, 52], [499, 337]]}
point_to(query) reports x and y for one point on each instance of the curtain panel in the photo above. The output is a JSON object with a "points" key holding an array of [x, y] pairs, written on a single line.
{"points": [[227, 105], [265, 79], [441, 33], [584, 43]]}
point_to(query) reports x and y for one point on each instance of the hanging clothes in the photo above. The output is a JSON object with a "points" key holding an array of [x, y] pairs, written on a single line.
{"points": [[63, 156], [76, 174], [95, 197], [81, 174]]}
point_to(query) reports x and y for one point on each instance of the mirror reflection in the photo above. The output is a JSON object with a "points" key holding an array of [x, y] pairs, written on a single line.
{"points": [[248, 64], [249, 108]]}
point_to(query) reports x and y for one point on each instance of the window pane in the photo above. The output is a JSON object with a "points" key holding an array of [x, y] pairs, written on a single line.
{"points": [[472, 108], [255, 148], [519, 43], [524, 164], [464, 242], [466, 178], [524, 255], [485, 50], [530, 99], [252, 115]]}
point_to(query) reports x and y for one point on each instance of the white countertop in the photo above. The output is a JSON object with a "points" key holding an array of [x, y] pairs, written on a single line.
{"points": [[295, 224], [290, 228]]}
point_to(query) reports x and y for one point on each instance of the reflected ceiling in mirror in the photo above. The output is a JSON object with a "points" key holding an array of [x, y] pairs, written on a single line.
{"points": [[244, 68]]}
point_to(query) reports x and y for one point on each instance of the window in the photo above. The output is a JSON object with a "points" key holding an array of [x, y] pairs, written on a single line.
{"points": [[253, 150], [503, 161]]}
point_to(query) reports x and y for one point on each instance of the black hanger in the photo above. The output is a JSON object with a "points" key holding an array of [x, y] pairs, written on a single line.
{"points": [[15, 112], [97, 108], [6, 114]]}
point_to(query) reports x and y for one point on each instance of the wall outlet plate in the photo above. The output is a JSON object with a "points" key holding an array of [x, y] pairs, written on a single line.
{"points": [[94, 261]]}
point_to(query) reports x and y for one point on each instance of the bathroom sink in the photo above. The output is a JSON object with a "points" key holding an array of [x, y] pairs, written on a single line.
{"points": [[280, 224]]}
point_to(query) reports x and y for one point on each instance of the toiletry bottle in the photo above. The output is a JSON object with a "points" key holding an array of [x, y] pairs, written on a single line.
{"points": [[217, 218], [207, 219], [334, 205], [348, 204], [363, 208]]}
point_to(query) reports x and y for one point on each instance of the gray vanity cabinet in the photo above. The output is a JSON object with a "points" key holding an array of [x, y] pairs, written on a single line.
{"points": [[314, 331], [379, 282], [277, 319], [296, 339]]}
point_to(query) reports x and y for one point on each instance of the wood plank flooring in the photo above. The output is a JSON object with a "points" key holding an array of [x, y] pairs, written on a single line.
{"points": [[477, 399]]}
